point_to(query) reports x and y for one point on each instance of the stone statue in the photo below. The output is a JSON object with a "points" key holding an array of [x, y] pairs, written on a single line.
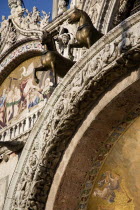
{"points": [[17, 13], [86, 34], [45, 19], [64, 41], [3, 28], [12, 36], [62, 5], [35, 18]]}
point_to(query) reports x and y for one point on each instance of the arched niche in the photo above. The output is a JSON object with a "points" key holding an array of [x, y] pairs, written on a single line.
{"points": [[117, 183], [111, 116]]}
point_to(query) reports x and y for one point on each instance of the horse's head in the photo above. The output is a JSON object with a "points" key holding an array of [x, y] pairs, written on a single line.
{"points": [[75, 16], [45, 37], [48, 40]]}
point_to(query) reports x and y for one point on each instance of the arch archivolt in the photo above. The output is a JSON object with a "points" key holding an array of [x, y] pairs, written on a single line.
{"points": [[94, 139], [112, 57]]}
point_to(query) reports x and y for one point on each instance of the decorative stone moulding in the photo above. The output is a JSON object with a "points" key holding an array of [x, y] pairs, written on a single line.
{"points": [[105, 15], [109, 59]]}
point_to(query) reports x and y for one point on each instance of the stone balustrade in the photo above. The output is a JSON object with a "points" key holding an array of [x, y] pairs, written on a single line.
{"points": [[19, 128]]}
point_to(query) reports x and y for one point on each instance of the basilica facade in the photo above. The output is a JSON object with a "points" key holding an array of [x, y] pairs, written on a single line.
{"points": [[70, 106]]}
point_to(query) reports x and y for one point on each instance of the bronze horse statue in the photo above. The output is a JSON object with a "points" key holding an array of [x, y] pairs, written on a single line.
{"points": [[86, 34], [51, 59]]}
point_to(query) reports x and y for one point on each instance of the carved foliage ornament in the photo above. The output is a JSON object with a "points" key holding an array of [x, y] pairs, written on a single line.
{"points": [[22, 18], [77, 96], [30, 20]]}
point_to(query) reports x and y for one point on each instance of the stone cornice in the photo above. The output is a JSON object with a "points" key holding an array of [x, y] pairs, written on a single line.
{"points": [[113, 56]]}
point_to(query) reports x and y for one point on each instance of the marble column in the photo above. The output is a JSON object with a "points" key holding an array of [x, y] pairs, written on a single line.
{"points": [[55, 9]]}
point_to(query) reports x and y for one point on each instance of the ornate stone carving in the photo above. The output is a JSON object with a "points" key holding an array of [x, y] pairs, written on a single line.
{"points": [[17, 12], [64, 39], [94, 10], [74, 97], [12, 36], [29, 20], [77, 3], [3, 28], [45, 19]]}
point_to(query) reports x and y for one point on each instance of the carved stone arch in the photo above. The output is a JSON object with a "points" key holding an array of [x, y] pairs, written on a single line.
{"points": [[89, 80], [105, 123]]}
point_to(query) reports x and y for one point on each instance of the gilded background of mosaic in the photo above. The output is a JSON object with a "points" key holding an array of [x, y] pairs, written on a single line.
{"points": [[117, 185]]}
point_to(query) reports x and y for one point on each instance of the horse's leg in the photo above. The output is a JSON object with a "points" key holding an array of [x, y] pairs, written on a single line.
{"points": [[36, 70], [89, 43], [55, 77]]}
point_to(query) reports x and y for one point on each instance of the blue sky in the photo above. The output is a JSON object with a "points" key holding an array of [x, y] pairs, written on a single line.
{"points": [[45, 5]]}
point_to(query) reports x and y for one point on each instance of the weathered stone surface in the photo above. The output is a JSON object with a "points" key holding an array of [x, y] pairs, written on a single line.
{"points": [[67, 107]]}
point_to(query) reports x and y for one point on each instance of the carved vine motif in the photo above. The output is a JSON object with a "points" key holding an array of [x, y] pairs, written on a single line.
{"points": [[69, 109]]}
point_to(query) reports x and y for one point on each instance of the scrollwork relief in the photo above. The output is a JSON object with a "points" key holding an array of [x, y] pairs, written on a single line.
{"points": [[85, 84]]}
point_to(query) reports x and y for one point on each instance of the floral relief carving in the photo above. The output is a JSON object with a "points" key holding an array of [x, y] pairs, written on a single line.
{"points": [[76, 98]]}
